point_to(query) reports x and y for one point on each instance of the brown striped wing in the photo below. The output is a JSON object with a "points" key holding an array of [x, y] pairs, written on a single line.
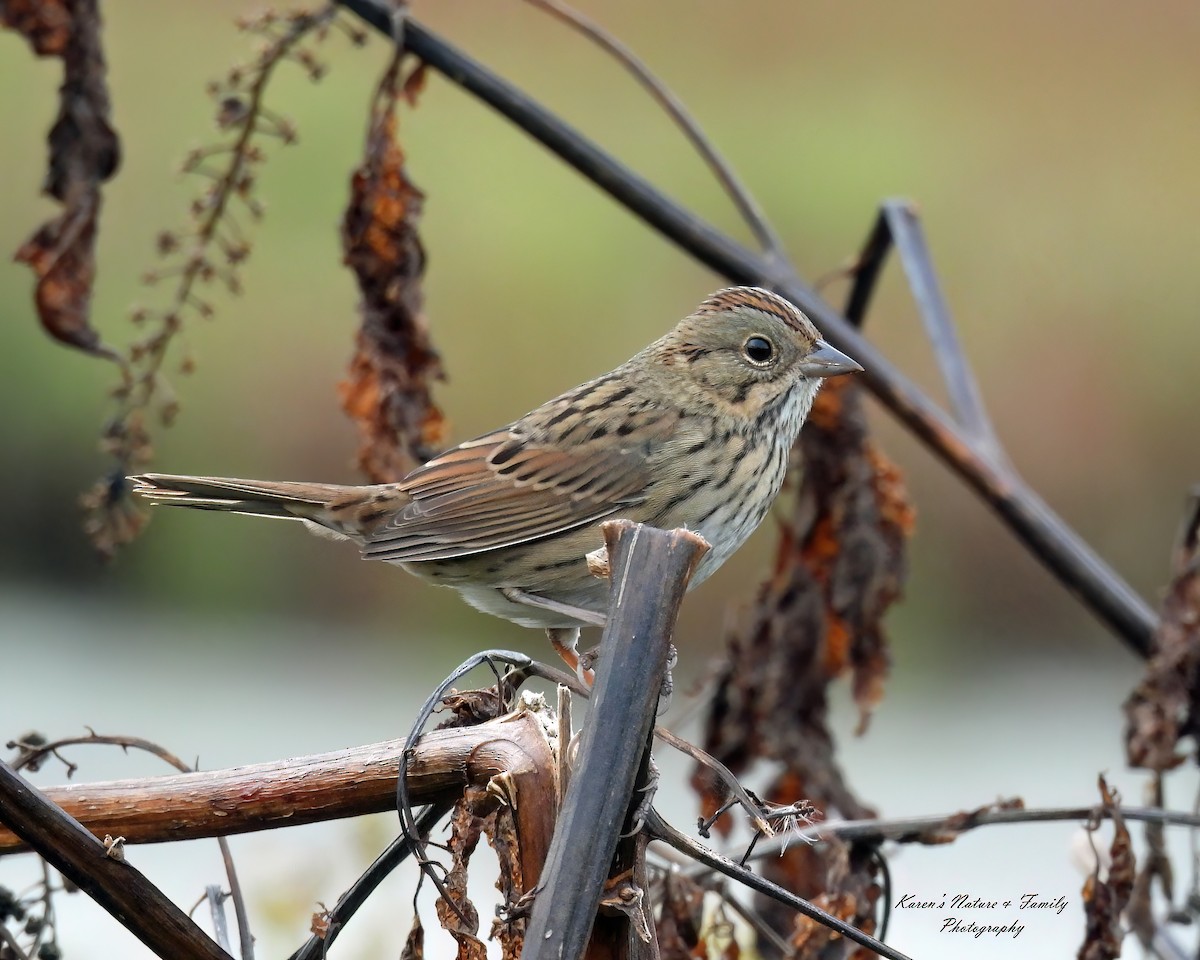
{"points": [[503, 489]]}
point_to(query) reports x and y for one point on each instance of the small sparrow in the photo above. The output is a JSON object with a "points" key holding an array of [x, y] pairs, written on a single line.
{"points": [[694, 431]]}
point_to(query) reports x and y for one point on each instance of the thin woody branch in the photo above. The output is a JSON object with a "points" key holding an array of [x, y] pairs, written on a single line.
{"points": [[898, 225], [99, 870], [940, 828], [659, 829], [746, 205], [1042, 531], [327, 786]]}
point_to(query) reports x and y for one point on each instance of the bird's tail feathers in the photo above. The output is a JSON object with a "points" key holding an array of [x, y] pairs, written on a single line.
{"points": [[259, 498]]}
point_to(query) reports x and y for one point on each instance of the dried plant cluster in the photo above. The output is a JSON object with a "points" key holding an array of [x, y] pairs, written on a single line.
{"points": [[211, 249], [839, 565], [388, 391], [816, 618]]}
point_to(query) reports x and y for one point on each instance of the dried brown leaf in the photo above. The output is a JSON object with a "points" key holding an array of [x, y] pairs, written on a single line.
{"points": [[388, 390], [468, 707], [1104, 900], [319, 925], [1156, 868], [852, 895], [465, 830], [84, 152], [840, 564], [1165, 706], [414, 943], [811, 938], [46, 24], [509, 930], [681, 919]]}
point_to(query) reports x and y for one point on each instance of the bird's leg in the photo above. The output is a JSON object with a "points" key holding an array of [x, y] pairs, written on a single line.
{"points": [[668, 682], [646, 792], [517, 595], [565, 641]]}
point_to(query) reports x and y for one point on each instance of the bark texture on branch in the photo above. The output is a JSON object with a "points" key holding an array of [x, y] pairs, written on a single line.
{"points": [[326, 786]]}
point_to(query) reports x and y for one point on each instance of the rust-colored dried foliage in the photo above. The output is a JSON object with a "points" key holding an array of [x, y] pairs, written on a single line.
{"points": [[952, 827], [387, 392], [465, 830], [1104, 900], [681, 919], [1156, 869], [84, 153], [840, 564], [1165, 706], [319, 925], [414, 943], [469, 707], [509, 930], [811, 939], [480, 813]]}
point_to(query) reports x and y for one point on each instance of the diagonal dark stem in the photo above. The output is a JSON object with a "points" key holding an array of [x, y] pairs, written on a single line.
{"points": [[350, 901], [135, 902], [659, 829], [1054, 543], [899, 226], [746, 205]]}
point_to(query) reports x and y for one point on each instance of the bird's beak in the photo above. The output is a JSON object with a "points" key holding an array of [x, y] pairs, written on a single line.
{"points": [[826, 361]]}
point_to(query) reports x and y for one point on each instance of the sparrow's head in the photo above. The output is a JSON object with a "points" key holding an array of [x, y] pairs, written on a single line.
{"points": [[744, 350]]}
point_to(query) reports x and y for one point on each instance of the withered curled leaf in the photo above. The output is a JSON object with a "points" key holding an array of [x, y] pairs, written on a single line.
{"points": [[839, 566], [84, 152], [1164, 708], [46, 24], [387, 392], [1105, 900], [459, 916]]}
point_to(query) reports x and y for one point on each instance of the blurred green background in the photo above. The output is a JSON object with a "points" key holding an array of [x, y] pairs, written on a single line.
{"points": [[1052, 148]]}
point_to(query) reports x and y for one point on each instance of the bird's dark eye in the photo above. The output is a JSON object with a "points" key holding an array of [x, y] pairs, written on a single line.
{"points": [[759, 350]]}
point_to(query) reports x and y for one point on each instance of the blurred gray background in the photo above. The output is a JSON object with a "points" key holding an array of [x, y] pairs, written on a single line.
{"points": [[1052, 150]]}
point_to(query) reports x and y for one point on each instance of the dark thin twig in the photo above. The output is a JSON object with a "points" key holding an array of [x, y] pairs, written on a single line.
{"points": [[245, 937], [216, 909], [408, 822], [49, 931], [747, 206], [116, 886], [659, 829], [753, 808], [11, 943], [885, 895], [935, 828], [31, 756], [1055, 544], [899, 225], [354, 897]]}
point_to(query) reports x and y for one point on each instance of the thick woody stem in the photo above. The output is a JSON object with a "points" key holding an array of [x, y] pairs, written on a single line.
{"points": [[101, 871], [284, 793], [650, 570]]}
